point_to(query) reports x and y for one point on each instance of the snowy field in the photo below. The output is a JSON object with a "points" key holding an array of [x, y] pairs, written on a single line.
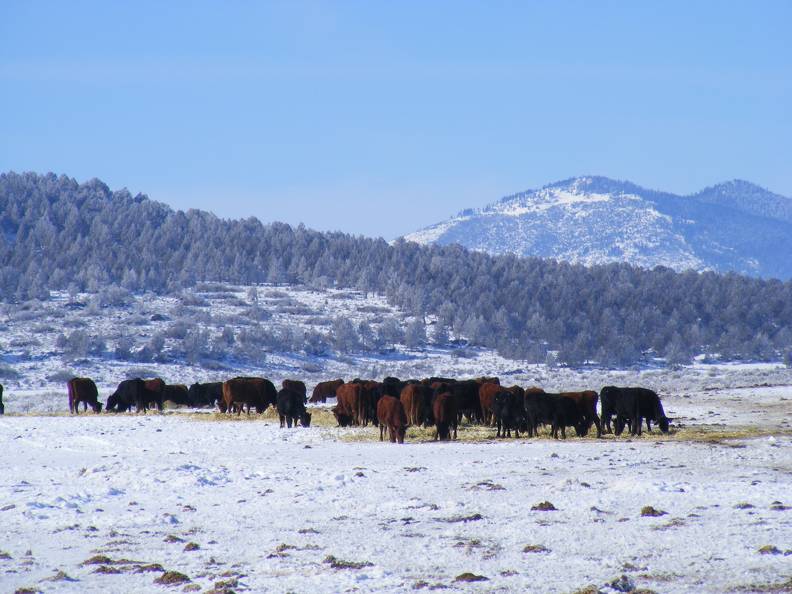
{"points": [[108, 503], [111, 503]]}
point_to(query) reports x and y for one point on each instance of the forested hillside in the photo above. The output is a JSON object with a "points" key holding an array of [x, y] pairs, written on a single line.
{"points": [[58, 234]]}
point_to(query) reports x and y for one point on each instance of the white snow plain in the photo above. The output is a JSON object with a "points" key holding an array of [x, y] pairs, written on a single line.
{"points": [[270, 509], [274, 510]]}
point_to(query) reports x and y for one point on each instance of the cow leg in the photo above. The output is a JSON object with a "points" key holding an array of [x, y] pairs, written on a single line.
{"points": [[392, 433], [598, 424], [382, 432], [648, 424]]}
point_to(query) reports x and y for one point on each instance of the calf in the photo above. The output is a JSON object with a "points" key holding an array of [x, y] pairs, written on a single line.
{"points": [[83, 389], [291, 409], [444, 408], [390, 414]]}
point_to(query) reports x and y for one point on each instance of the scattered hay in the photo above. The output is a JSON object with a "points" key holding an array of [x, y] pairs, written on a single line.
{"points": [[674, 523], [192, 546], [61, 576], [98, 560], [337, 563], [172, 578], [4, 556], [150, 567], [308, 531], [543, 506], [743, 505], [470, 577], [173, 538], [648, 511], [535, 549], [27, 591], [770, 550], [107, 570]]}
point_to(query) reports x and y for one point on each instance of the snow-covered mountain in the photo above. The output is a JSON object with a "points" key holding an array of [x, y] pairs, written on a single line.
{"points": [[734, 226]]}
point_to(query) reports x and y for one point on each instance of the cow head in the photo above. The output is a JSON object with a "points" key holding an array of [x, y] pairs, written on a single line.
{"points": [[305, 419], [97, 408], [663, 423], [400, 431], [112, 402]]}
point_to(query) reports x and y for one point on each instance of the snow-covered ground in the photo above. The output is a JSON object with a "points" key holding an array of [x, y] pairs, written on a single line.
{"points": [[329, 510], [284, 511]]}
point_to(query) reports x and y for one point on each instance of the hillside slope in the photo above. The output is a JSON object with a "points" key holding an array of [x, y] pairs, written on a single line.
{"points": [[731, 227]]}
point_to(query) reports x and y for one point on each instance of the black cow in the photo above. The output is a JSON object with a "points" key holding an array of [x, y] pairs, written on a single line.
{"points": [[128, 393], [291, 408], [631, 406], [509, 413], [553, 409], [177, 394], [466, 394], [205, 394]]}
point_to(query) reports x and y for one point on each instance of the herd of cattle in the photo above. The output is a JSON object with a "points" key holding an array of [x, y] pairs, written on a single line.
{"points": [[393, 404]]}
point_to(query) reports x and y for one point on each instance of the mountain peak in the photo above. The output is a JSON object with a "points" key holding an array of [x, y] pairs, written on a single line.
{"points": [[593, 219]]}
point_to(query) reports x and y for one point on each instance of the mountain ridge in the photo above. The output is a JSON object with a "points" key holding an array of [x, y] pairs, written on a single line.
{"points": [[734, 226]]}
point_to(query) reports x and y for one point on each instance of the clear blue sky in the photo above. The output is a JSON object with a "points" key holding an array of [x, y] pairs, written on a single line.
{"points": [[379, 117]]}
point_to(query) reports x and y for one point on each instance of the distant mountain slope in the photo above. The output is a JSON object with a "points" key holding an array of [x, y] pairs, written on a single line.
{"points": [[735, 226]]}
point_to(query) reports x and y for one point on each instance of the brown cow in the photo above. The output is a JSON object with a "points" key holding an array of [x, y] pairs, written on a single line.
{"points": [[390, 414], [487, 393], [325, 389], [296, 386], [349, 402], [586, 403], [417, 402], [444, 408], [83, 389], [248, 391], [369, 394], [154, 392]]}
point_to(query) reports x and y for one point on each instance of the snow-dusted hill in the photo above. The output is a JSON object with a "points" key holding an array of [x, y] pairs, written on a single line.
{"points": [[735, 226]]}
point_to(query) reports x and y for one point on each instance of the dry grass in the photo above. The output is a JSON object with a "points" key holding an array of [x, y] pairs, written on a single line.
{"points": [[467, 433]]}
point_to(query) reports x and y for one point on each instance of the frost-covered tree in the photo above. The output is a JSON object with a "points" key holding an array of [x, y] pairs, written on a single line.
{"points": [[391, 332], [343, 335], [415, 335]]}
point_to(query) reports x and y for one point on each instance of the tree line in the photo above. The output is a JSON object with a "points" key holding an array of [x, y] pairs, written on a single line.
{"points": [[57, 234]]}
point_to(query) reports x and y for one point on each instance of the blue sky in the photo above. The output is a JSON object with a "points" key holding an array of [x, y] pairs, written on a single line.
{"points": [[380, 117]]}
